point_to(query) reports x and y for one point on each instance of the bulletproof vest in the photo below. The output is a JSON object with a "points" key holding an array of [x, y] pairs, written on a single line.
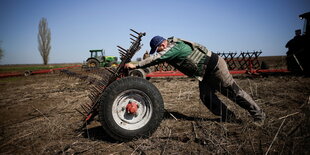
{"points": [[192, 65]]}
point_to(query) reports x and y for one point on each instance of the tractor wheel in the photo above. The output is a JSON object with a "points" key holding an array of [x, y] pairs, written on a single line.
{"points": [[138, 73], [92, 63], [130, 108]]}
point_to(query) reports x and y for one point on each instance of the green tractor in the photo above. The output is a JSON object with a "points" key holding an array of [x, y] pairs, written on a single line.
{"points": [[98, 59]]}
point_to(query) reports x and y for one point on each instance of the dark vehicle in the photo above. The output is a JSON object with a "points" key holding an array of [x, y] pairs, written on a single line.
{"points": [[299, 49]]}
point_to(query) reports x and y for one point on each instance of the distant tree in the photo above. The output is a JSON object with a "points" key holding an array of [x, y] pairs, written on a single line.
{"points": [[138, 59], [44, 40], [1, 52]]}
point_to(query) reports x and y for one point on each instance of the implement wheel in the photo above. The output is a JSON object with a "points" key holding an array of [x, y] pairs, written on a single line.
{"points": [[130, 108], [93, 63]]}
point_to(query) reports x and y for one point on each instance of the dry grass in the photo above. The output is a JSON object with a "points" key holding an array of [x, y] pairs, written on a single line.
{"points": [[38, 117]]}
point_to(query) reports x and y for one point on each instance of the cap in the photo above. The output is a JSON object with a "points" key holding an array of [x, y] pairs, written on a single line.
{"points": [[155, 42]]}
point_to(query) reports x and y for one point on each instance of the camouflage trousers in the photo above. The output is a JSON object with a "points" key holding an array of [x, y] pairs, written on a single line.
{"points": [[222, 81]]}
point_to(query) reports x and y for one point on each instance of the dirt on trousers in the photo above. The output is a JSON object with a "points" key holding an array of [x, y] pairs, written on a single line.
{"points": [[38, 116]]}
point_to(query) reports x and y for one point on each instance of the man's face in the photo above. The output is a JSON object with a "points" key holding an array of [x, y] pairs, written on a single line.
{"points": [[162, 46]]}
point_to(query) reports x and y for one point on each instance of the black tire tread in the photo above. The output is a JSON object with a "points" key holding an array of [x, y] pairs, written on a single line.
{"points": [[111, 92]]}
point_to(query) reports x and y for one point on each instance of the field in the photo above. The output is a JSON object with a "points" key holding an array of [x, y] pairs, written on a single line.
{"points": [[38, 117]]}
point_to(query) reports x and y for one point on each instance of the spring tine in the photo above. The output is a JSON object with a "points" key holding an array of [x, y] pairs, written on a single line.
{"points": [[134, 31], [84, 108], [81, 113], [96, 90], [111, 71], [87, 106], [99, 87], [122, 52], [122, 48], [93, 91], [134, 36], [91, 97]]}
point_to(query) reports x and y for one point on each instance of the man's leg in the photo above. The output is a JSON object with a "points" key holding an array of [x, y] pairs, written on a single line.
{"points": [[213, 103], [230, 89], [244, 100]]}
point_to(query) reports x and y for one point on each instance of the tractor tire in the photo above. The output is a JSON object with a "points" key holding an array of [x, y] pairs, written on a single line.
{"points": [[93, 63], [138, 73], [118, 120]]}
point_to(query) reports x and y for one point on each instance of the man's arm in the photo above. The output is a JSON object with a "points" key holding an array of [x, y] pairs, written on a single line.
{"points": [[150, 61], [169, 53]]}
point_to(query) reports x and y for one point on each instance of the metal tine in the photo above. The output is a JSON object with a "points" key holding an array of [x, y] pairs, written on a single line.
{"points": [[94, 92], [81, 113], [134, 36], [91, 97], [103, 81], [132, 39], [134, 31], [97, 89], [122, 48], [110, 71], [86, 111], [122, 53], [125, 56], [89, 106], [86, 106]]}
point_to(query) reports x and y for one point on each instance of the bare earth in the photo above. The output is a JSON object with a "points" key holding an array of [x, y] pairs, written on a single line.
{"points": [[38, 117]]}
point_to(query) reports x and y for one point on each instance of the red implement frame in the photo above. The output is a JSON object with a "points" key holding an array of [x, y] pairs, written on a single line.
{"points": [[245, 63], [36, 72]]}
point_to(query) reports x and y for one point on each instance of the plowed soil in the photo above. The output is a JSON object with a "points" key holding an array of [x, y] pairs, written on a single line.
{"points": [[38, 116]]}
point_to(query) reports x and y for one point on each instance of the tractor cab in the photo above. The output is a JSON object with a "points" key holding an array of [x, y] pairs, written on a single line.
{"points": [[97, 54], [306, 18]]}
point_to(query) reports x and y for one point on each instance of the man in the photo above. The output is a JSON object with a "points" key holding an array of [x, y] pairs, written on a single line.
{"points": [[195, 60]]}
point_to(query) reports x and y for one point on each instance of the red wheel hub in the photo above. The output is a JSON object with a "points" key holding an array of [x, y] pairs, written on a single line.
{"points": [[132, 107]]}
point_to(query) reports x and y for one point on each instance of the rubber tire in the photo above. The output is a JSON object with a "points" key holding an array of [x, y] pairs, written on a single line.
{"points": [[96, 62], [110, 94], [138, 73]]}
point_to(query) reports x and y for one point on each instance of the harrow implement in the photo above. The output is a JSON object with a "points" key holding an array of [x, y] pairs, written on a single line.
{"points": [[108, 75], [128, 107]]}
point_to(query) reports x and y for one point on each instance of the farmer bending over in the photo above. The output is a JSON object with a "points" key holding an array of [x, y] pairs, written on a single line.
{"points": [[195, 60]]}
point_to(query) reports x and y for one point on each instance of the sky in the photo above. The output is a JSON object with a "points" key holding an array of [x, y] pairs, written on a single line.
{"points": [[78, 26]]}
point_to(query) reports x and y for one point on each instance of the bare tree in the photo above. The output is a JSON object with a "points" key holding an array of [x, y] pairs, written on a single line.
{"points": [[44, 39]]}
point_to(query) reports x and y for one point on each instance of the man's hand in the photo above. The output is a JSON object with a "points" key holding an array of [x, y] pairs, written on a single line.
{"points": [[130, 66]]}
